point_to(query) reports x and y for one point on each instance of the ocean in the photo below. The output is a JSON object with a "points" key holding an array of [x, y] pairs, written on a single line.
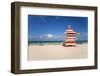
{"points": [[51, 42]]}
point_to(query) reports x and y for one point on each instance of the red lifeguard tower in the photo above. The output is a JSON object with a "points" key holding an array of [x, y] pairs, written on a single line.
{"points": [[70, 37]]}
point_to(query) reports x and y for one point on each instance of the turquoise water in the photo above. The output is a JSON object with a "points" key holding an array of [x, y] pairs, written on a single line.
{"points": [[51, 42]]}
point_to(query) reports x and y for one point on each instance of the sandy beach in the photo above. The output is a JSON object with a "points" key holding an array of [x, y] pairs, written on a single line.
{"points": [[53, 52]]}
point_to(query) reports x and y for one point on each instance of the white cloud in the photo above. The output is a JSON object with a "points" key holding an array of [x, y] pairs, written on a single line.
{"points": [[47, 37], [50, 35]]}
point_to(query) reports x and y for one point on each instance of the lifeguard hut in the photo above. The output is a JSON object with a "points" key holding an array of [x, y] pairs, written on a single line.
{"points": [[70, 37]]}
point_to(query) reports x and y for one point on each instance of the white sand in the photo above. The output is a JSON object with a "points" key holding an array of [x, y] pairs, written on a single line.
{"points": [[51, 52]]}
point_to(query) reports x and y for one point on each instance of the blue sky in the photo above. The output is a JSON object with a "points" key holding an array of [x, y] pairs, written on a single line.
{"points": [[52, 28]]}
